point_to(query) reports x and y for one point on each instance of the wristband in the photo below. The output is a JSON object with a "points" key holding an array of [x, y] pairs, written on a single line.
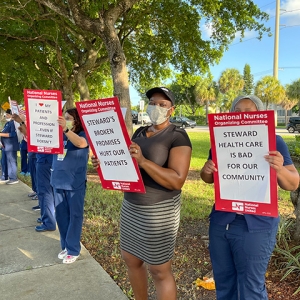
{"points": [[22, 123], [66, 131]]}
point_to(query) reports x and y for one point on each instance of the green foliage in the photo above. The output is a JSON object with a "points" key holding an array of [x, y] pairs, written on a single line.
{"points": [[293, 90], [294, 146], [154, 42], [287, 258], [269, 90], [230, 85], [293, 93], [248, 80]]}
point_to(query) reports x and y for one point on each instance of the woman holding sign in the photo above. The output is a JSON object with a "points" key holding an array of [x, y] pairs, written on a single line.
{"points": [[149, 222], [68, 179], [241, 245]]}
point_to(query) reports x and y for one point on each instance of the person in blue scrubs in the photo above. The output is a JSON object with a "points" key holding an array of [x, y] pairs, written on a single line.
{"points": [[68, 180], [241, 245], [45, 193], [10, 147], [24, 158]]}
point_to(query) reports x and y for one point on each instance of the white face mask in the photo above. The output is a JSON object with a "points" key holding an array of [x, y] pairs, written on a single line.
{"points": [[8, 119], [69, 124], [157, 114]]}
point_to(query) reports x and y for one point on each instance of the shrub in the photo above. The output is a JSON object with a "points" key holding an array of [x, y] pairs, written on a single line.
{"points": [[286, 255]]}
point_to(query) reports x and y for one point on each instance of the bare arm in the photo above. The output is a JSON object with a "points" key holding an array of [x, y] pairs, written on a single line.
{"points": [[207, 171], [22, 127], [287, 176], [4, 134]]}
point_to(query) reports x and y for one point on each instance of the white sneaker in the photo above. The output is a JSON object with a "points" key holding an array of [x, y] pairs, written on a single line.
{"points": [[62, 254], [70, 259]]}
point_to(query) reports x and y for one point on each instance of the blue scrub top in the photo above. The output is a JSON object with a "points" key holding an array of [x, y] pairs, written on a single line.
{"points": [[10, 143], [70, 173], [255, 223]]}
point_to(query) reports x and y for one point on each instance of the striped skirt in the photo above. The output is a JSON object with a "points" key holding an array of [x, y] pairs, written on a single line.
{"points": [[149, 232]]}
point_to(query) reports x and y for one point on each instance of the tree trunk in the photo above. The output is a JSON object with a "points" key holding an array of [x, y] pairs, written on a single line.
{"points": [[119, 73], [206, 112], [295, 197], [83, 89], [68, 95], [285, 117]]}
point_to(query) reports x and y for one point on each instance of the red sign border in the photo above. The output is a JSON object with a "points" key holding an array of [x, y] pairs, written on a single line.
{"points": [[263, 209], [137, 187], [49, 150]]}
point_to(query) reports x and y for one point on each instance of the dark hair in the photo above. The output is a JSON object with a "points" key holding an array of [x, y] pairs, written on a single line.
{"points": [[77, 122]]}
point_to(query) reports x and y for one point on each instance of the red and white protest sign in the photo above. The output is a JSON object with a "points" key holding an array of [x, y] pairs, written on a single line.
{"points": [[109, 140], [244, 182], [15, 110], [43, 107]]}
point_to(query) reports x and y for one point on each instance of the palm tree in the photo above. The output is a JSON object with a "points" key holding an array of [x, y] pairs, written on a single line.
{"points": [[269, 90], [204, 92], [293, 92], [231, 84]]}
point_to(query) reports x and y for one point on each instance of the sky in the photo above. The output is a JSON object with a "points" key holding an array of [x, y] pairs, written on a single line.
{"points": [[259, 54]]}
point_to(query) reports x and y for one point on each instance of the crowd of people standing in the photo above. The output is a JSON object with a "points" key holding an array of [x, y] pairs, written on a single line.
{"points": [[58, 181], [240, 244]]}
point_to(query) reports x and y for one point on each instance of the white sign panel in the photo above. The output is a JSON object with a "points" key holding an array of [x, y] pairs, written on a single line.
{"points": [[111, 148]]}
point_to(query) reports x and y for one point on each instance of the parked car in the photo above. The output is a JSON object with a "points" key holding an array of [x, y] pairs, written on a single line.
{"points": [[134, 114], [294, 124], [143, 118], [183, 122]]}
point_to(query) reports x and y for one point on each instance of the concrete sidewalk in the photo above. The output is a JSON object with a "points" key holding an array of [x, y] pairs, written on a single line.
{"points": [[29, 267]]}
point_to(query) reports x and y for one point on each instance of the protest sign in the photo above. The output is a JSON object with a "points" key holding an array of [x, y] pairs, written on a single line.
{"points": [[244, 182], [15, 110], [43, 107], [13, 106], [109, 141]]}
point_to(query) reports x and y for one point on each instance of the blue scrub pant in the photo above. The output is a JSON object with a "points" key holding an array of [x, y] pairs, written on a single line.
{"points": [[32, 169], [69, 217], [24, 160], [4, 175], [45, 194], [240, 259], [11, 164]]}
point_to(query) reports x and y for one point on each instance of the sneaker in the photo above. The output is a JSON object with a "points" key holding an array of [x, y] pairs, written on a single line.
{"points": [[32, 194], [27, 174], [3, 181], [62, 254], [36, 208], [69, 259], [22, 173], [35, 197], [12, 181], [42, 228]]}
